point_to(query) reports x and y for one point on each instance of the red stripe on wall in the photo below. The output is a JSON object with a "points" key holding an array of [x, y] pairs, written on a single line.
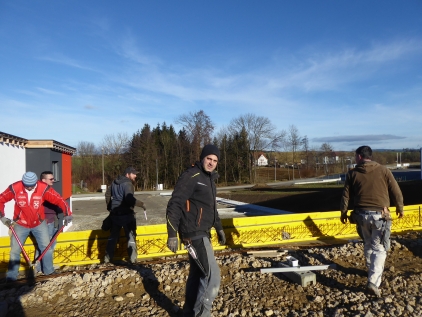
{"points": [[66, 176]]}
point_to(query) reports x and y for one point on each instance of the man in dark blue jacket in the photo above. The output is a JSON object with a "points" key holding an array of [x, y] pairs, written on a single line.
{"points": [[192, 212], [120, 202]]}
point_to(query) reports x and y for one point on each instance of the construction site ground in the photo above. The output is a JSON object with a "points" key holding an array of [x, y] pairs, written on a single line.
{"points": [[156, 294]]}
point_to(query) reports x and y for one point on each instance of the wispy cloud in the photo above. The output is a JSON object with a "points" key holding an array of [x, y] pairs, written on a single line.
{"points": [[48, 91], [358, 138], [59, 58]]}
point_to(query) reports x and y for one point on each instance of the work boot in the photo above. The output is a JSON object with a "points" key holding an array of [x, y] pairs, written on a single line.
{"points": [[372, 289]]}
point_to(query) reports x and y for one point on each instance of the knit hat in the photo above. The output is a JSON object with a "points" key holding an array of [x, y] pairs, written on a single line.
{"points": [[210, 149], [29, 179]]}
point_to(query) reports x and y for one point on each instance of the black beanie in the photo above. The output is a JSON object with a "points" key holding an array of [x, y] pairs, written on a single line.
{"points": [[209, 149]]}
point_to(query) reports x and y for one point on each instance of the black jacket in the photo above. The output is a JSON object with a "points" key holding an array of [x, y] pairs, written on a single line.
{"points": [[119, 197], [192, 208]]}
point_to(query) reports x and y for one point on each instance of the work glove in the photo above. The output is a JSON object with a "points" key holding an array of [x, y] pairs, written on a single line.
{"points": [[67, 220], [343, 218], [140, 204], [173, 244], [6, 221], [221, 237]]}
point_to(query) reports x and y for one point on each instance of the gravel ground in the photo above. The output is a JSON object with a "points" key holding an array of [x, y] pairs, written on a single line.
{"points": [[157, 289]]}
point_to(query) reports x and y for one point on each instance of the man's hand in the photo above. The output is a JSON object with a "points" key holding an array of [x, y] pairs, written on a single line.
{"points": [[67, 220], [173, 244], [343, 218], [6, 221], [221, 237], [140, 204], [399, 214]]}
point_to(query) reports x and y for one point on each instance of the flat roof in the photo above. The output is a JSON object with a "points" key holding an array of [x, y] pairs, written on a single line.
{"points": [[12, 139], [36, 144], [50, 144]]}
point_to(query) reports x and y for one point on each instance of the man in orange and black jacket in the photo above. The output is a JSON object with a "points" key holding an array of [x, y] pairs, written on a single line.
{"points": [[192, 212]]}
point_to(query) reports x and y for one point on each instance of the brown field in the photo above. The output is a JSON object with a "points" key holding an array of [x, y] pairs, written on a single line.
{"points": [[311, 198]]}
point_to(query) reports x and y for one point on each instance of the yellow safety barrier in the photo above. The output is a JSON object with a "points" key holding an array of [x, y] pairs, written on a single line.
{"points": [[88, 247]]}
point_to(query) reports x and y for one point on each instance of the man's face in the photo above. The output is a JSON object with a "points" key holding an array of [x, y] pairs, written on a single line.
{"points": [[131, 176], [210, 162], [29, 188], [49, 179]]}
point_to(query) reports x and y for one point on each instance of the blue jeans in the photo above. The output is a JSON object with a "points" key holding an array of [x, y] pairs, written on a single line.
{"points": [[51, 232], [40, 234]]}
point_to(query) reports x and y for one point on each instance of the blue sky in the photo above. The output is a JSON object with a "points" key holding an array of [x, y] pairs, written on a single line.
{"points": [[343, 72]]}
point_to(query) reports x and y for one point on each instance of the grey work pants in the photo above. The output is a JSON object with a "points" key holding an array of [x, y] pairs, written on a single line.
{"points": [[374, 233], [201, 290]]}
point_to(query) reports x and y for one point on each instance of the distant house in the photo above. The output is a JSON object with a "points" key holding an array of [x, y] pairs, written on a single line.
{"points": [[262, 160]]}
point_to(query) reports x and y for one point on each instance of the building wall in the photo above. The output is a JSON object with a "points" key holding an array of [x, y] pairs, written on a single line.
{"points": [[12, 167], [40, 160]]}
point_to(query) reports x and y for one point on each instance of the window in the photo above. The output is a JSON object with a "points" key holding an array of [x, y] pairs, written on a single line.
{"points": [[55, 169]]}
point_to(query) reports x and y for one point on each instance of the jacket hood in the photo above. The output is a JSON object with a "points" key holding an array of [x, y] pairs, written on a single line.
{"points": [[367, 167], [121, 179]]}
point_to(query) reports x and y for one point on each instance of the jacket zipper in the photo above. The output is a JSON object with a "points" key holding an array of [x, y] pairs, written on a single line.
{"points": [[200, 217]]}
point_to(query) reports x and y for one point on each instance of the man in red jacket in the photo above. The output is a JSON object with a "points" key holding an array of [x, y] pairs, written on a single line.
{"points": [[29, 195]]}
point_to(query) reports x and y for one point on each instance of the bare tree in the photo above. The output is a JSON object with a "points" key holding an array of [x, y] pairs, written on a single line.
{"points": [[199, 128], [115, 143], [306, 150], [86, 151], [326, 150], [293, 141], [113, 147], [261, 134]]}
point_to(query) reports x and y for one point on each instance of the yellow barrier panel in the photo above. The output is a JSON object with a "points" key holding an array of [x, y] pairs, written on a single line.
{"points": [[87, 247]]}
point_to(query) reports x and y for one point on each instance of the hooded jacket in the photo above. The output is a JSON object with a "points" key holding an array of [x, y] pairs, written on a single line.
{"points": [[370, 185], [192, 208], [120, 197]]}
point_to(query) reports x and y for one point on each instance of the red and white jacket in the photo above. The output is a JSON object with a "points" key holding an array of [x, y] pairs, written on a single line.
{"points": [[30, 214]]}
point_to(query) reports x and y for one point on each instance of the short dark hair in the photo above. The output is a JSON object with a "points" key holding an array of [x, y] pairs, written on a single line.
{"points": [[43, 174], [364, 151]]}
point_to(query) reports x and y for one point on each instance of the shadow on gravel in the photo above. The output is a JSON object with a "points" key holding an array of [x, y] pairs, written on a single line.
{"points": [[100, 238], [151, 285], [12, 292]]}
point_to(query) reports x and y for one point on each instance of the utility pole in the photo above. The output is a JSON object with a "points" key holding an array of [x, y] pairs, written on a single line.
{"points": [[102, 151], [156, 168]]}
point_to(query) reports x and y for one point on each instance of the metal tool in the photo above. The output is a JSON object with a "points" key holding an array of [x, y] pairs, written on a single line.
{"points": [[194, 256]]}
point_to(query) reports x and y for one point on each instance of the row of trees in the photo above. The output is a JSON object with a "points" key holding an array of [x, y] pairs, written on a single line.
{"points": [[161, 154]]}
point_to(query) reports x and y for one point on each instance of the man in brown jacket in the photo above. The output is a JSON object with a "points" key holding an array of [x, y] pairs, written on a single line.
{"points": [[369, 185]]}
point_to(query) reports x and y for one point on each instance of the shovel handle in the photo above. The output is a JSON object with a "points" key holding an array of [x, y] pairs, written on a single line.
{"points": [[21, 246], [49, 245]]}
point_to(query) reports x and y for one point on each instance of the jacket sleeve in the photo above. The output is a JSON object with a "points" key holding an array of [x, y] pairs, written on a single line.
{"points": [[108, 198], [54, 198], [346, 195], [183, 190], [218, 225], [130, 198], [394, 190], [5, 196]]}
